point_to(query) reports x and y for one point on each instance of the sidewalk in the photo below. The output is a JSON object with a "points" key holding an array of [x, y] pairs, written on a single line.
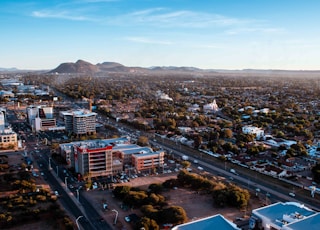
{"points": [[98, 197]]}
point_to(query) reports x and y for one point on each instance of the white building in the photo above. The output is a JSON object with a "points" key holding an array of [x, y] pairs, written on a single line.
{"points": [[284, 216], [8, 138], [249, 129], [2, 119], [211, 108], [40, 117]]}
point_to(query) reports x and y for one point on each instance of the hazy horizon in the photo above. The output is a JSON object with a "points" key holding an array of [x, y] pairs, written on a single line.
{"points": [[230, 35]]}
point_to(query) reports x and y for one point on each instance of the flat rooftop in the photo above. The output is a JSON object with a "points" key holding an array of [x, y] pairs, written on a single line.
{"points": [[281, 214], [209, 223], [309, 223]]}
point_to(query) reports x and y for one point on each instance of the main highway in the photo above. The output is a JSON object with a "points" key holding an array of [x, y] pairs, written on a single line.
{"points": [[246, 178]]}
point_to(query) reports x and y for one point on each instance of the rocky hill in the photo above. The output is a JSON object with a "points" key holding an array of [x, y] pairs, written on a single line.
{"points": [[81, 67]]}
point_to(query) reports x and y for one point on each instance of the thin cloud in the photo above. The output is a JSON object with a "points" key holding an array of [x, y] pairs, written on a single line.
{"points": [[58, 15], [163, 17], [209, 46], [266, 30], [147, 41], [157, 18]]}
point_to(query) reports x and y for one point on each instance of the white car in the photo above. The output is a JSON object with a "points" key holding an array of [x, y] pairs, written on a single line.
{"points": [[56, 193], [292, 194]]}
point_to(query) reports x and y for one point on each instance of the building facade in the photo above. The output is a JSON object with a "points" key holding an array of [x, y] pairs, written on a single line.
{"points": [[8, 139], [94, 159], [148, 161], [110, 156], [79, 121], [41, 117]]}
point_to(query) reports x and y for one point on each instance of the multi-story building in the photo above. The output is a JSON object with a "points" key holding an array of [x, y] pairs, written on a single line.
{"points": [[8, 138], [126, 151], [79, 121], [41, 117], [148, 161], [109, 156], [94, 158], [284, 216], [2, 119]]}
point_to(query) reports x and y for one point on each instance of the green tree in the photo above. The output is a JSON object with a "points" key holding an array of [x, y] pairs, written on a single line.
{"points": [[121, 192], [155, 188], [174, 214], [143, 141], [185, 164], [147, 224], [228, 133]]}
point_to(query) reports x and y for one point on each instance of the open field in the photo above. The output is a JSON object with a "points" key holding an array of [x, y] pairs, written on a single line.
{"points": [[196, 205]]}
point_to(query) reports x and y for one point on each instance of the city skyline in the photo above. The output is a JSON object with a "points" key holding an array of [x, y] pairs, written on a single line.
{"points": [[205, 34]]}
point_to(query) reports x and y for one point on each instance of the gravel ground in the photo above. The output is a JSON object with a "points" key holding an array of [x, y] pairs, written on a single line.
{"points": [[196, 205]]}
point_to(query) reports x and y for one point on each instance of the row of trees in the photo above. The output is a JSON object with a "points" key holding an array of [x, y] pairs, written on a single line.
{"points": [[152, 205], [27, 203], [222, 194]]}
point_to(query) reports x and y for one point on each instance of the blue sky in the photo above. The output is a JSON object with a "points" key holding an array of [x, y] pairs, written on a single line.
{"points": [[209, 34]]}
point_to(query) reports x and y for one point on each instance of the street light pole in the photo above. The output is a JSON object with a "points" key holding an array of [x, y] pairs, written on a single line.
{"points": [[57, 170], [77, 194], [50, 163], [66, 181], [77, 222], [115, 219]]}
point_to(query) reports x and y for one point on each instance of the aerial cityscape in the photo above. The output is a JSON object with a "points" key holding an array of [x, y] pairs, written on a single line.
{"points": [[114, 147], [149, 115]]}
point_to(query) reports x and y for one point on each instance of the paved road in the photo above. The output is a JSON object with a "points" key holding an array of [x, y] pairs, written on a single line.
{"points": [[249, 180], [91, 219]]}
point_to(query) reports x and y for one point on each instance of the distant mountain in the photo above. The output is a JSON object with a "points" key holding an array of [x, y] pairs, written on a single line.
{"points": [[112, 67], [174, 68], [79, 67], [9, 69], [83, 67], [16, 71]]}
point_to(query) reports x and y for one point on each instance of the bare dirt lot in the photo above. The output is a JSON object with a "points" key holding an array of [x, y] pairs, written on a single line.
{"points": [[196, 205]]}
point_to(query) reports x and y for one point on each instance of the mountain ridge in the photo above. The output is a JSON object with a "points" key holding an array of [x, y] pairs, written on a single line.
{"points": [[84, 67]]}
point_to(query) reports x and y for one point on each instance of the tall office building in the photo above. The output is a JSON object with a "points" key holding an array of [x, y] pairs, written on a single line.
{"points": [[79, 121], [8, 138], [2, 121], [41, 117]]}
